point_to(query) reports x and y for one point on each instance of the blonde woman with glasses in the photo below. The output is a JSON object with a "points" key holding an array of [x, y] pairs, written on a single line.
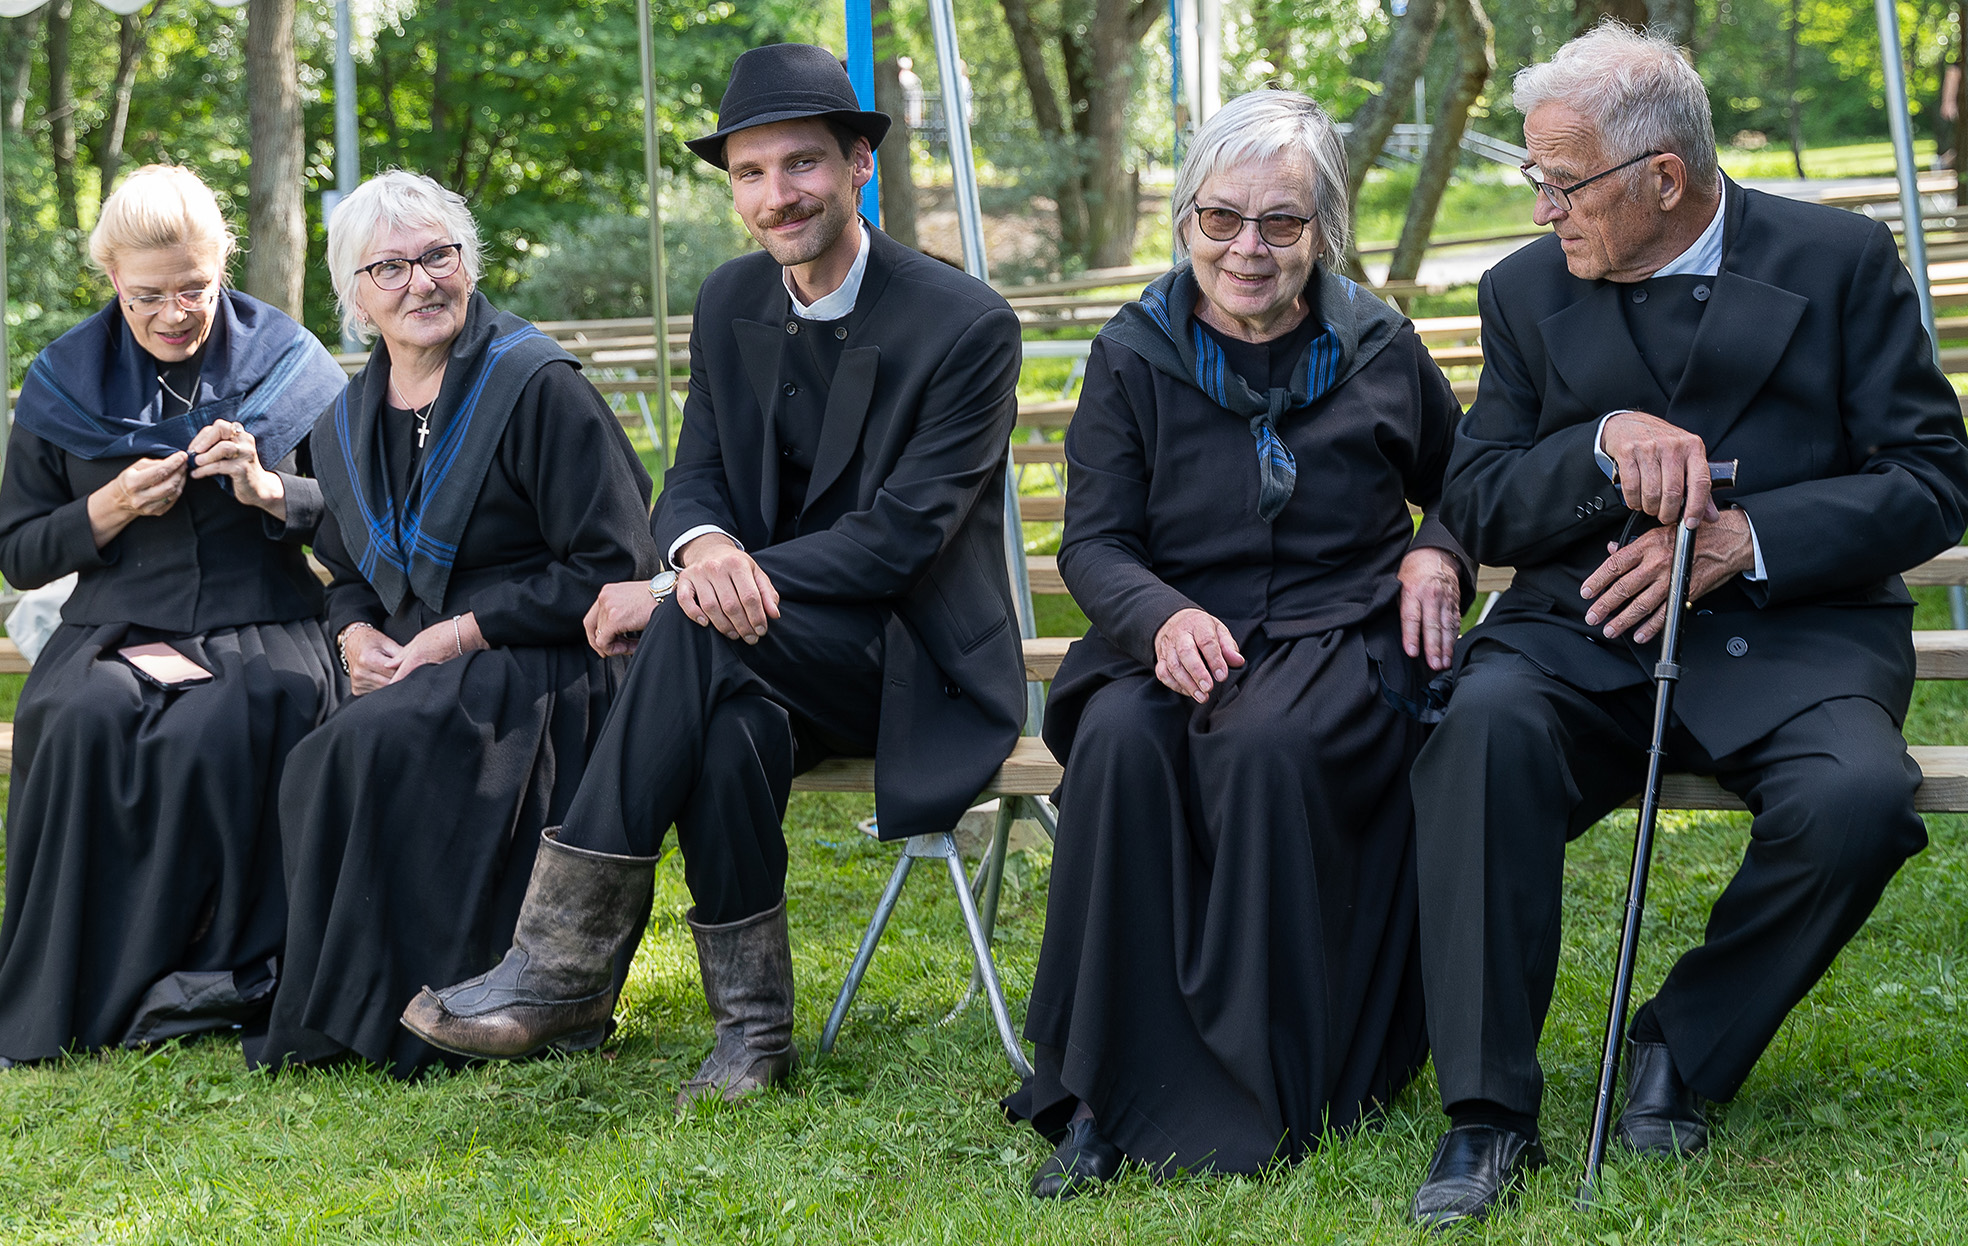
{"points": [[151, 457]]}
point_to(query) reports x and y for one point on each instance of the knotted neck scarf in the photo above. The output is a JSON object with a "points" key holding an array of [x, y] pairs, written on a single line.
{"points": [[1163, 329]]}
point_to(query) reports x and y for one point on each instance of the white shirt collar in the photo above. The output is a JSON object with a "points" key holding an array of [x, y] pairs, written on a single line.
{"points": [[1704, 259], [841, 301]]}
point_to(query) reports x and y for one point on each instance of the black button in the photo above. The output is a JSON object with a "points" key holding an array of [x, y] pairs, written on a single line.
{"points": [[1640, 295], [952, 691], [841, 333], [792, 326], [1737, 646], [1701, 294], [1598, 504], [789, 389]]}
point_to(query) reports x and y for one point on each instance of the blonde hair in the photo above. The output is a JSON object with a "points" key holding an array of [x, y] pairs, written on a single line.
{"points": [[157, 207], [392, 200]]}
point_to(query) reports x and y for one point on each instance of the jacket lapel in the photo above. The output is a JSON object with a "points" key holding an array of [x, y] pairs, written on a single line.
{"points": [[847, 410], [1589, 345], [760, 346]]}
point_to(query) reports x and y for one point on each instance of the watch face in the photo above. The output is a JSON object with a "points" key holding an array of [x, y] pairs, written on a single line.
{"points": [[662, 584]]}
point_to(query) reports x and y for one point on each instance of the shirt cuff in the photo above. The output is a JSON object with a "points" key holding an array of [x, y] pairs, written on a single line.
{"points": [[1605, 460], [702, 529], [1756, 547]]}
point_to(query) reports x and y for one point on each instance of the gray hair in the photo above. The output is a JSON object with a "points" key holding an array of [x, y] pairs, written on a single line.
{"points": [[1253, 128], [1638, 91], [392, 200]]}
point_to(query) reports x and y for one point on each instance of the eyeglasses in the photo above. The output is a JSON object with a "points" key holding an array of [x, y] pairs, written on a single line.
{"points": [[1277, 229], [1561, 196], [187, 300], [437, 263]]}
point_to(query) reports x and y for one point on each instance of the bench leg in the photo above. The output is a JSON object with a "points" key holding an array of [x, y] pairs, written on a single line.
{"points": [[986, 886], [866, 952], [980, 947]]}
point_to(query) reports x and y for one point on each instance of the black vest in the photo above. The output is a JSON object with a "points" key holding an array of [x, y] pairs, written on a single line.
{"points": [[1662, 314], [806, 372]]}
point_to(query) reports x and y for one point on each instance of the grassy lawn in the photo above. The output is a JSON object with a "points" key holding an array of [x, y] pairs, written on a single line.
{"points": [[1853, 1128]]}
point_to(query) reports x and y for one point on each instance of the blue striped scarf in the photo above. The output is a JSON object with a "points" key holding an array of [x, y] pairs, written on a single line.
{"points": [[1162, 328]]}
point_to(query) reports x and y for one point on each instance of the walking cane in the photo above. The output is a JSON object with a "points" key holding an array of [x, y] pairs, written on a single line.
{"points": [[1667, 672]]}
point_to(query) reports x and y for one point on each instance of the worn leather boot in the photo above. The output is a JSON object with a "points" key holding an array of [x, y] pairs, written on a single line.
{"points": [[555, 988], [748, 982]]}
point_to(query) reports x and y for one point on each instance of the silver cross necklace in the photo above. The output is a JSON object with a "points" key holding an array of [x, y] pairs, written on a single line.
{"points": [[423, 417]]}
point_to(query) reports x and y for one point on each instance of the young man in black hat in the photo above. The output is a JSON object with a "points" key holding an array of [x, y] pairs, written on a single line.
{"points": [[836, 528]]}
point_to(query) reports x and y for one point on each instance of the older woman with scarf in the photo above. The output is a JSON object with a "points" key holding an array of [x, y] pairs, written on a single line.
{"points": [[479, 494], [143, 854], [1229, 969]]}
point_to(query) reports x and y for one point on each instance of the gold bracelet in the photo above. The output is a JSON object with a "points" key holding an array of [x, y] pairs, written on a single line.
{"points": [[341, 642]]}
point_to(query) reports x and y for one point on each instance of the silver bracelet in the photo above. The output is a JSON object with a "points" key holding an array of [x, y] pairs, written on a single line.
{"points": [[457, 635], [341, 642]]}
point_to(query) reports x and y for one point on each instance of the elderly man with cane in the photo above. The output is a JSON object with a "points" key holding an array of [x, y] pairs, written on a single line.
{"points": [[1675, 318]]}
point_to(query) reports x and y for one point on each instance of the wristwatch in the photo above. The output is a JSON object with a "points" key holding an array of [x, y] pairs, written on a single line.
{"points": [[661, 585]]}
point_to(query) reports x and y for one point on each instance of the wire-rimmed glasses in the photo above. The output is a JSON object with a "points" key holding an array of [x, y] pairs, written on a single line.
{"points": [[1275, 229], [193, 301], [1561, 196]]}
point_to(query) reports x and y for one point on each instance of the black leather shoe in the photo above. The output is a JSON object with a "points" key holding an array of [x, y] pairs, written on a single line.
{"points": [[1475, 1170], [1083, 1160], [1663, 1117]]}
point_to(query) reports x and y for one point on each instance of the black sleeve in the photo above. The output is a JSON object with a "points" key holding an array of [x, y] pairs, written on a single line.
{"points": [[1103, 555], [304, 504], [569, 454], [1436, 414], [350, 597], [44, 527], [693, 486]]}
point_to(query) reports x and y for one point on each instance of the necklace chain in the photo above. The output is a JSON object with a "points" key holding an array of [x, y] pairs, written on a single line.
{"points": [[422, 417], [172, 390]]}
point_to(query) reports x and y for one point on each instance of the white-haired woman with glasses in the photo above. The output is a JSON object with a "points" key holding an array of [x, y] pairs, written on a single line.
{"points": [[1229, 966], [479, 494], [150, 458]]}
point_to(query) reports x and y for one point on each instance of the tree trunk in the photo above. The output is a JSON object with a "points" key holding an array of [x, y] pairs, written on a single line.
{"points": [[1475, 61], [276, 216], [1674, 18], [1960, 110], [1796, 129], [898, 199], [441, 110], [21, 33], [1588, 13], [61, 110], [1029, 43], [1407, 54], [1112, 188], [129, 51]]}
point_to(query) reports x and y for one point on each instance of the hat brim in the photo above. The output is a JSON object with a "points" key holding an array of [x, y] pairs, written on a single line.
{"points": [[872, 126]]}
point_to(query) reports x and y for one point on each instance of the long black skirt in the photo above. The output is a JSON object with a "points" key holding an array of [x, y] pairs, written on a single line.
{"points": [[144, 890], [1229, 969], [411, 819]]}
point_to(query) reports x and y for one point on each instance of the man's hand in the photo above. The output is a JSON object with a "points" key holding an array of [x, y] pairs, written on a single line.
{"points": [[1630, 587], [439, 643], [372, 658], [720, 586], [1661, 467], [620, 615], [1431, 606], [225, 448], [1194, 652]]}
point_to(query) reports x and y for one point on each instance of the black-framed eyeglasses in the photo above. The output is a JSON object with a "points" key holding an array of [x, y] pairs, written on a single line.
{"points": [[437, 263], [187, 300], [1276, 229], [1561, 196]]}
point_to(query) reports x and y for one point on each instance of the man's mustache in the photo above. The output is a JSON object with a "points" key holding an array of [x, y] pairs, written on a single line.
{"points": [[786, 216]]}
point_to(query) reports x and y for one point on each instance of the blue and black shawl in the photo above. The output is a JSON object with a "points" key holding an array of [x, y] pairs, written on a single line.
{"points": [[94, 391], [1163, 330], [405, 545]]}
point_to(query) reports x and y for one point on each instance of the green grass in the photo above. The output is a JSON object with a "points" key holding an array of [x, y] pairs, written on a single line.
{"points": [[1854, 1128]]}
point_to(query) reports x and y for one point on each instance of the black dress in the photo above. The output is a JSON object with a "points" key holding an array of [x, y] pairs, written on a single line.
{"points": [[1229, 967], [143, 865], [412, 816]]}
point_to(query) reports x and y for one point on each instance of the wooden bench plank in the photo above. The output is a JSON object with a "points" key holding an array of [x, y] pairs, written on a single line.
{"points": [[1029, 771]]}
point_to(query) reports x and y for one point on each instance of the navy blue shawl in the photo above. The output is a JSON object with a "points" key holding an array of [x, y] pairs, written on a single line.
{"points": [[406, 545], [94, 391]]}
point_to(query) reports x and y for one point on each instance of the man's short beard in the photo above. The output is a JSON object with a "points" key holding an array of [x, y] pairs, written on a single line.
{"points": [[834, 218]]}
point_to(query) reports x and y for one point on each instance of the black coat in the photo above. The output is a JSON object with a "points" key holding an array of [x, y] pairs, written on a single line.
{"points": [[905, 505], [1812, 368]]}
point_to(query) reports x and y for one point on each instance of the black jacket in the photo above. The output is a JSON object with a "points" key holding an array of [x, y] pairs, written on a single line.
{"points": [[1811, 367], [905, 505]]}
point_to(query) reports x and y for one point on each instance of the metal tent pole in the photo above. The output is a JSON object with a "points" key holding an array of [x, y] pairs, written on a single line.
{"points": [[861, 72], [6, 357], [659, 299], [348, 165], [970, 225]]}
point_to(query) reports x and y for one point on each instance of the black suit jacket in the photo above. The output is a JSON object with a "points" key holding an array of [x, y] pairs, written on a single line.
{"points": [[1811, 367], [905, 506]]}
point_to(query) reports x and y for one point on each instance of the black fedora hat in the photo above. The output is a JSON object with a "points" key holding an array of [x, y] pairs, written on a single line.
{"points": [[785, 82]]}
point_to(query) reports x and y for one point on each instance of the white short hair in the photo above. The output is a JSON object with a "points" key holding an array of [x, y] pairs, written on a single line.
{"points": [[160, 206], [393, 200], [1638, 91], [1252, 129]]}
